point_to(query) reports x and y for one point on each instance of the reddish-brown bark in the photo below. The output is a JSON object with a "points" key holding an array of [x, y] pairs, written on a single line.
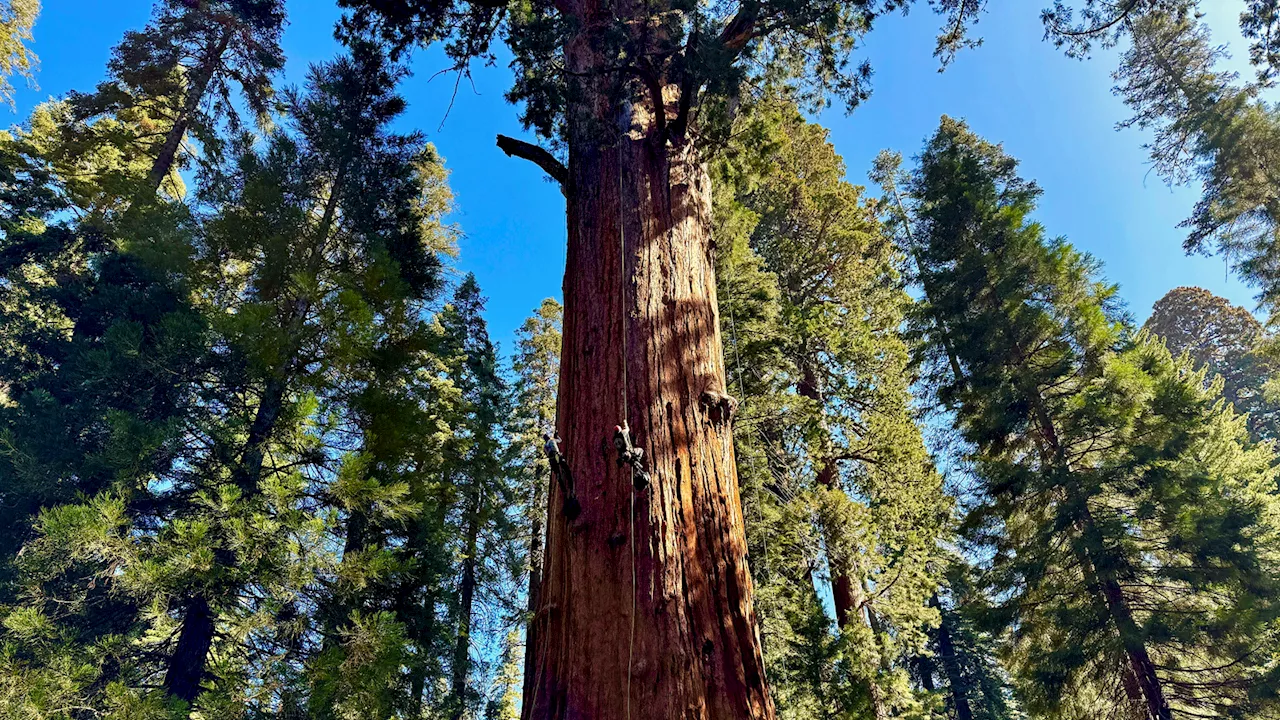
{"points": [[847, 592], [645, 610], [696, 650]]}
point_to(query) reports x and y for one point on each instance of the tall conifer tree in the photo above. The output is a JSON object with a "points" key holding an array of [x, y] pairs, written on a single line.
{"points": [[181, 72], [536, 367], [481, 481], [636, 93], [17, 17], [1130, 522], [313, 252], [828, 407]]}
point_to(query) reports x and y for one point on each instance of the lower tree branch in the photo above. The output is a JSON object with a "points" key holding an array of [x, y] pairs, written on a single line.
{"points": [[536, 155]]}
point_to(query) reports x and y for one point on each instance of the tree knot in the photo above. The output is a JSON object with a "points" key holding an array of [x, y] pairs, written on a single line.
{"points": [[720, 406]]}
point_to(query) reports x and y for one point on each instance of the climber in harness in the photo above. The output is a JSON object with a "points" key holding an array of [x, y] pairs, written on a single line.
{"points": [[630, 455], [560, 469]]}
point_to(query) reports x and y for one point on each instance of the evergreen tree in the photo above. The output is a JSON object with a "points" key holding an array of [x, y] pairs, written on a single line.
{"points": [[102, 353], [827, 360], [962, 658], [179, 75], [1128, 520], [1260, 22], [479, 476], [636, 94], [309, 258], [536, 370], [1226, 340], [1213, 130]]}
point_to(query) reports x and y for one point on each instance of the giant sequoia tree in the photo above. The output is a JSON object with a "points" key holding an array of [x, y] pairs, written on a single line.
{"points": [[1225, 339], [634, 92]]}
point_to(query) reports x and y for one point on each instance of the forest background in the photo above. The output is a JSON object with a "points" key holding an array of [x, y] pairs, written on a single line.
{"points": [[326, 353]]}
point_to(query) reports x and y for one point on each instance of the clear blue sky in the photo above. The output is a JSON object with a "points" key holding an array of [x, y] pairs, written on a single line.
{"points": [[1057, 115]]}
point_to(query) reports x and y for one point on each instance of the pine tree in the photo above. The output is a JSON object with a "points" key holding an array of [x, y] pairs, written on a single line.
{"points": [[1260, 22], [390, 486], [101, 357], [481, 481], [536, 370], [828, 361], [313, 251], [1129, 521], [961, 661], [179, 74], [962, 658]]}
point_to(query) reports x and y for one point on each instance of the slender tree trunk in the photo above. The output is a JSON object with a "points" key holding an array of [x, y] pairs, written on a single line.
{"points": [[846, 594], [199, 85], [1141, 666], [957, 684], [466, 591], [655, 623], [924, 670], [879, 709], [291, 699], [186, 664], [337, 608], [846, 585], [425, 629], [537, 506], [248, 473], [1141, 672], [845, 589]]}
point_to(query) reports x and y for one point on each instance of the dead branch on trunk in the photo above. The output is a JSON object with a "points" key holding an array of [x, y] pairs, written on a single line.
{"points": [[536, 155]]}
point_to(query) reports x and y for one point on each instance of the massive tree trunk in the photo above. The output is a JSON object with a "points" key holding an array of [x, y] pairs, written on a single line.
{"points": [[646, 604]]}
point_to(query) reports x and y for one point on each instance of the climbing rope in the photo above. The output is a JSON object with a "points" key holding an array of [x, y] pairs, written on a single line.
{"points": [[631, 534]]}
